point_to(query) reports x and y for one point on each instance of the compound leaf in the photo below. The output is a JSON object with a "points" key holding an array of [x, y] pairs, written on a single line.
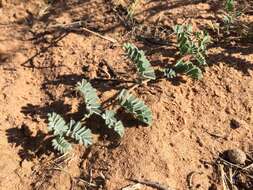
{"points": [[90, 97], [135, 106], [138, 57], [56, 124], [61, 144], [186, 68], [192, 43], [112, 123], [79, 133]]}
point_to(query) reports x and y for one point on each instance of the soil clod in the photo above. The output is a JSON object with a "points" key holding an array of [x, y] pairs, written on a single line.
{"points": [[234, 124], [236, 156]]}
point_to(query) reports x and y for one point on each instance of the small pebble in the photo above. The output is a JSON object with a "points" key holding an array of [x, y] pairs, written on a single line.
{"points": [[234, 124], [236, 156], [213, 187]]}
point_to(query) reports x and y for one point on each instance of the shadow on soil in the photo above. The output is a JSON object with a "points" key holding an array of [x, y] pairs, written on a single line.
{"points": [[41, 111], [74, 8], [31, 146], [227, 57], [29, 63], [164, 5]]}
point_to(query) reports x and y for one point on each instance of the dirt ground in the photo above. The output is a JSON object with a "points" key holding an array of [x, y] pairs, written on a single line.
{"points": [[193, 121]]}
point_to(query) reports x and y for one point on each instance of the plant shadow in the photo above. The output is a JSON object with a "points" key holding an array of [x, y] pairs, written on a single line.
{"points": [[100, 83], [29, 63], [35, 111], [228, 56], [31, 146]]}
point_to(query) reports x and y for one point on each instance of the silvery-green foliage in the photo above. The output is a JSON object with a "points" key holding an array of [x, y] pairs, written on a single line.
{"points": [[183, 33], [112, 123], [56, 124], [231, 15], [135, 106], [61, 131], [194, 44], [90, 97], [186, 68], [61, 144], [79, 133], [142, 63]]}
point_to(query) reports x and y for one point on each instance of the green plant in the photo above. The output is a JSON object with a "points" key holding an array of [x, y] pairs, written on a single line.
{"points": [[79, 133], [64, 132], [93, 107], [61, 144], [74, 130], [192, 47], [131, 8], [229, 5], [135, 106], [61, 131], [196, 49], [231, 15], [138, 57], [186, 68], [90, 97], [112, 123], [193, 44], [57, 124], [183, 34]]}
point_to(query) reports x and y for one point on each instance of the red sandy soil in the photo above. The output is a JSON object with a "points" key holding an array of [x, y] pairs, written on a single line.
{"points": [[191, 119]]}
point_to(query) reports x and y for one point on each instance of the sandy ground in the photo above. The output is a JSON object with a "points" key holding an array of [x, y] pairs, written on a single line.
{"points": [[193, 120]]}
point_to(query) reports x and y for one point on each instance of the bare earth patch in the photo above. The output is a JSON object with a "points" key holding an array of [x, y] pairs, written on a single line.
{"points": [[194, 122]]}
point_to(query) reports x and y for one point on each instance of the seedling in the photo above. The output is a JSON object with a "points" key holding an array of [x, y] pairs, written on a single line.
{"points": [[135, 106], [143, 65], [181, 67], [112, 123], [231, 15], [186, 68], [63, 131], [90, 98], [93, 107], [192, 43]]}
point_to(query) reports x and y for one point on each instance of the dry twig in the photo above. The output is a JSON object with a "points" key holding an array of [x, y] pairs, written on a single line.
{"points": [[223, 179], [136, 186], [79, 26], [189, 179], [151, 184]]}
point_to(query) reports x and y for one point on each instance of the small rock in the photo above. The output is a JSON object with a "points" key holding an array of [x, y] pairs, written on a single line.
{"points": [[236, 156], [213, 187], [234, 124]]}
